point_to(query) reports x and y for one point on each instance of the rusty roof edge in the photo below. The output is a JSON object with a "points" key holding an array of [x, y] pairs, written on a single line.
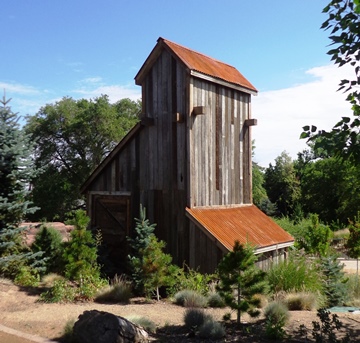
{"points": [[133, 131], [261, 250], [223, 82]]}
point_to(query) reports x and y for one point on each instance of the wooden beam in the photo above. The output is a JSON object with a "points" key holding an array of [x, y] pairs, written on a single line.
{"points": [[178, 118], [200, 110], [146, 121], [250, 122]]}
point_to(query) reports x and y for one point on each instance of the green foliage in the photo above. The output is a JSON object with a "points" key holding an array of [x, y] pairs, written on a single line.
{"points": [[282, 185], [17, 170], [72, 138], [276, 315], [64, 291], [190, 298], [344, 138], [325, 330], [186, 278], [353, 290], [80, 254], [151, 267], [49, 241], [240, 279], [61, 291], [333, 204], [295, 274], [334, 281], [156, 266], [353, 242], [27, 277], [316, 239]]}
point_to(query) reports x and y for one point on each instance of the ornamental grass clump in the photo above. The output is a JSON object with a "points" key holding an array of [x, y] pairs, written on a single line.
{"points": [[190, 298], [119, 291], [302, 301], [276, 315]]}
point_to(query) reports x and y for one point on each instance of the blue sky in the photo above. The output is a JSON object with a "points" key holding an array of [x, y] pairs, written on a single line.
{"points": [[82, 49]]}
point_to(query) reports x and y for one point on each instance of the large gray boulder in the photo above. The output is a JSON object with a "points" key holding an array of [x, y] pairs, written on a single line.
{"points": [[103, 327]]}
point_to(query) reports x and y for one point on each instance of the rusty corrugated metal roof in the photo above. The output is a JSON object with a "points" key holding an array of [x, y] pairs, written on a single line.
{"points": [[209, 66], [243, 223], [200, 63]]}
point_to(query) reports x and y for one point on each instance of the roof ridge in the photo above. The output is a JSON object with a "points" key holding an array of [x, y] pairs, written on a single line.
{"points": [[196, 52]]}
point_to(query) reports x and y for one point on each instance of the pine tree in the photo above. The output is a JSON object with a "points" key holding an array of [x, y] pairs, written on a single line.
{"points": [[240, 280], [16, 171], [141, 240], [156, 266]]}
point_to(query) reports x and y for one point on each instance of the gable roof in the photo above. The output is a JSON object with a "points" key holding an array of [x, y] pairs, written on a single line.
{"points": [[198, 65], [242, 223]]}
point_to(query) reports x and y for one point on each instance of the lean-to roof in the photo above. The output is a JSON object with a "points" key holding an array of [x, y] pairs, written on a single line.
{"points": [[246, 224]]}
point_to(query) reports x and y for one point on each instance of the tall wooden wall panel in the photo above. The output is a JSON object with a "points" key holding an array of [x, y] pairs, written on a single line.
{"points": [[220, 169]]}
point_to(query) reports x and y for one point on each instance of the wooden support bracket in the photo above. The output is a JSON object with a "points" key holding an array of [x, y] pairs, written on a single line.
{"points": [[200, 110], [178, 118], [250, 122]]}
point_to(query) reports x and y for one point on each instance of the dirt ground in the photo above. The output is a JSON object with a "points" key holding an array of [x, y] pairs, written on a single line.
{"points": [[20, 310]]}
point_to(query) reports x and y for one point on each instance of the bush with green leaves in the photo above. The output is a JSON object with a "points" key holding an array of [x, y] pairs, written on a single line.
{"points": [[186, 278], [276, 316], [27, 277], [49, 241]]}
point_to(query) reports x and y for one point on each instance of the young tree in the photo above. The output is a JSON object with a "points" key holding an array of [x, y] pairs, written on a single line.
{"points": [[240, 280], [156, 266], [16, 172], [142, 237], [316, 238], [80, 254]]}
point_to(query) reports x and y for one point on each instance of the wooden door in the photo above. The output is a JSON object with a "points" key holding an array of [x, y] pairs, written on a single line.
{"points": [[111, 215]]}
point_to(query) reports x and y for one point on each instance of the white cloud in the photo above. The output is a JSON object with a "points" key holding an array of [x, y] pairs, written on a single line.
{"points": [[115, 92], [17, 88], [282, 113]]}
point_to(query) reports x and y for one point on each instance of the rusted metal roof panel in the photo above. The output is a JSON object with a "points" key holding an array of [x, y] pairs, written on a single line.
{"points": [[208, 66], [197, 62], [244, 223]]}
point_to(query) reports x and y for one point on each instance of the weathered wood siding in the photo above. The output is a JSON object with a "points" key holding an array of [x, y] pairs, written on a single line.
{"points": [[162, 153], [219, 146]]}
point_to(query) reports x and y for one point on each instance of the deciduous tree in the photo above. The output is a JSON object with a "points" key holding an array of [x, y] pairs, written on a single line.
{"points": [[344, 138], [71, 138]]}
